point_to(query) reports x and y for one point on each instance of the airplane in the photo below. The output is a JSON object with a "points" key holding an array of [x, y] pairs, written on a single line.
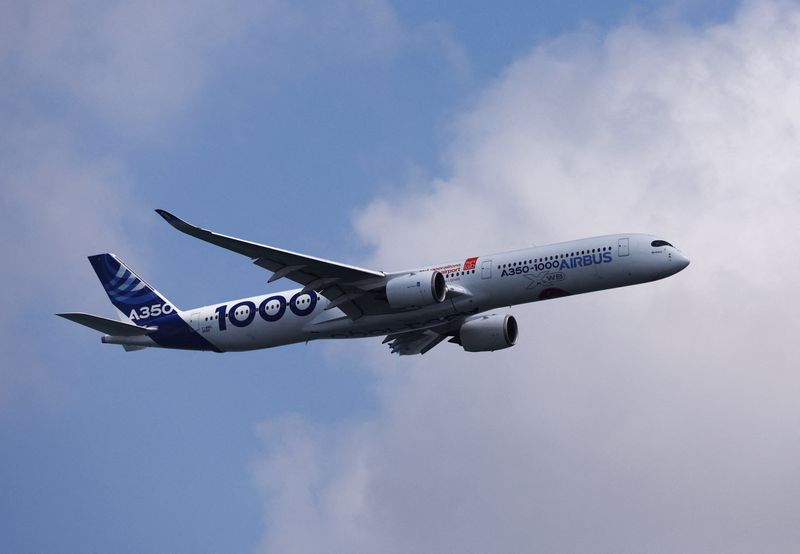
{"points": [[414, 310]]}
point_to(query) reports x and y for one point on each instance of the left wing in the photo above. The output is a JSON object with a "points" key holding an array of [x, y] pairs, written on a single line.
{"points": [[349, 288]]}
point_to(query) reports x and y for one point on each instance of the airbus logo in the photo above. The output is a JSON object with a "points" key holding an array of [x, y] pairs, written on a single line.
{"points": [[566, 263]]}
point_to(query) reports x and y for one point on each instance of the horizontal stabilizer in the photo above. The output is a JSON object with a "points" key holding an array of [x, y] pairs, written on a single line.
{"points": [[107, 326]]}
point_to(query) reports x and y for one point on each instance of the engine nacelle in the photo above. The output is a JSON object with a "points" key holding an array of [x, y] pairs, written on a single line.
{"points": [[416, 289], [487, 333]]}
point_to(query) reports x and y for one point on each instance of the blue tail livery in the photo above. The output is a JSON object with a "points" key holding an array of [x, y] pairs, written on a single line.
{"points": [[154, 320], [132, 296]]}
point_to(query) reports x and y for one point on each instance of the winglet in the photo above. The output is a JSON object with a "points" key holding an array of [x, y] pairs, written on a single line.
{"points": [[174, 220], [194, 230]]}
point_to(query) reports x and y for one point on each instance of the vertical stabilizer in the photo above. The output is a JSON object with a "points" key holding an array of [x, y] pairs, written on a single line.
{"points": [[130, 294]]}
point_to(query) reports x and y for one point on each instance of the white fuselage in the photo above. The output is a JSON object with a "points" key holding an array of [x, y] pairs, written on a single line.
{"points": [[475, 285]]}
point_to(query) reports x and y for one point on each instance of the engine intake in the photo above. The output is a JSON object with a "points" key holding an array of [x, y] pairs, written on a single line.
{"points": [[416, 289], [487, 333]]}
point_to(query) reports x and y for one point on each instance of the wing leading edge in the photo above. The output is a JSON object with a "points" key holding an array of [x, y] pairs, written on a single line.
{"points": [[347, 287]]}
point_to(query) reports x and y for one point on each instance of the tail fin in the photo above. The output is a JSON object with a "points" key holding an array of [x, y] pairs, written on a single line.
{"points": [[131, 295]]}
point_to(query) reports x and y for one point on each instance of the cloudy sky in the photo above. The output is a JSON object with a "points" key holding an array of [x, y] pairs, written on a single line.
{"points": [[659, 418]]}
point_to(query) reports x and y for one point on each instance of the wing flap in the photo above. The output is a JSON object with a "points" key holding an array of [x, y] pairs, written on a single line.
{"points": [[414, 342]]}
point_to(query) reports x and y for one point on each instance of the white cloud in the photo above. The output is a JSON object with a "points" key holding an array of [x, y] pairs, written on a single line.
{"points": [[128, 69], [57, 208], [131, 63], [139, 64], [134, 64], [657, 418]]}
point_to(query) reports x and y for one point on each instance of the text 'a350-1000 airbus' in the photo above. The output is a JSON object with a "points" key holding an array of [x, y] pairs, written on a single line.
{"points": [[415, 310]]}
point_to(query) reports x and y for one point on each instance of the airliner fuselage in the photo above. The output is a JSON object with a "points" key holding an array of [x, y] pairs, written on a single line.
{"points": [[415, 309]]}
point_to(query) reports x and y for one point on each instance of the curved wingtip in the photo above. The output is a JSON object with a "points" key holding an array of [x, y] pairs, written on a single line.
{"points": [[166, 215], [173, 220]]}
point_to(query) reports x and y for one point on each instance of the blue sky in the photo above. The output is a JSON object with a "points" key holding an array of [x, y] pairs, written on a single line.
{"points": [[326, 128]]}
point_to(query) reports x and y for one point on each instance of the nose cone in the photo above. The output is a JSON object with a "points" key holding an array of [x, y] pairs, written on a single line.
{"points": [[679, 261]]}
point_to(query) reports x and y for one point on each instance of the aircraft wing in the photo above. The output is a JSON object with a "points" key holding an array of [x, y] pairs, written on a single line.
{"points": [[347, 287]]}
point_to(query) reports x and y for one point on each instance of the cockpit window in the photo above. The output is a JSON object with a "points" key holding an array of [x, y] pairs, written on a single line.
{"points": [[657, 243]]}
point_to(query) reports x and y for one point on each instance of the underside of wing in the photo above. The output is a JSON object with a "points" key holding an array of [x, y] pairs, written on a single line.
{"points": [[414, 342], [354, 290]]}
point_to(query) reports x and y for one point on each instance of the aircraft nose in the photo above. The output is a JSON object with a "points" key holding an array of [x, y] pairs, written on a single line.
{"points": [[680, 260]]}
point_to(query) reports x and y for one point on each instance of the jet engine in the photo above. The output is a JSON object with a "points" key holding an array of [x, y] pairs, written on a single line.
{"points": [[416, 289], [487, 333]]}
